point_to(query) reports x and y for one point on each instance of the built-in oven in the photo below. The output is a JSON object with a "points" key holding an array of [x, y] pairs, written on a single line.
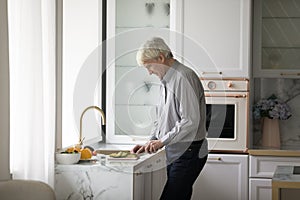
{"points": [[227, 107]]}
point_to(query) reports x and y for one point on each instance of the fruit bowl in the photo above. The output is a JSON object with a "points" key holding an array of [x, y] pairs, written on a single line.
{"points": [[67, 158]]}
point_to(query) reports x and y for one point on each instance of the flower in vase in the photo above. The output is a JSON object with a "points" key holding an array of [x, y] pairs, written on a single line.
{"points": [[272, 108]]}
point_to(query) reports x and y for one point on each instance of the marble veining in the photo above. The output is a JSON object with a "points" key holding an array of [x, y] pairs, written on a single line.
{"points": [[100, 180], [90, 185]]}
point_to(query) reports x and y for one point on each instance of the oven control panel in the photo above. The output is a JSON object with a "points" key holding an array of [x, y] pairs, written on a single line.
{"points": [[225, 85]]}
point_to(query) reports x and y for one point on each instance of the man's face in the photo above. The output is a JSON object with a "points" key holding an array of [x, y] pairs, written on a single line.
{"points": [[156, 66]]}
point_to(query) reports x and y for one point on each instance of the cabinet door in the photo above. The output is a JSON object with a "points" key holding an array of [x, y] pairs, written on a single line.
{"points": [[159, 178], [276, 40], [149, 185], [223, 177], [138, 186], [131, 92], [152, 175], [217, 37], [260, 189]]}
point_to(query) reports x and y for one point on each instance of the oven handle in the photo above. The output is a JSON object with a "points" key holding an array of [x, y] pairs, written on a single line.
{"points": [[227, 95]]}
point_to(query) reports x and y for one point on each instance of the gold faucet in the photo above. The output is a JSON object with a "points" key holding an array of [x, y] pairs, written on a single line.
{"points": [[102, 117]]}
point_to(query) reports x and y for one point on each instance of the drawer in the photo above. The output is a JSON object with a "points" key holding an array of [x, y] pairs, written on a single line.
{"points": [[265, 166], [260, 189]]}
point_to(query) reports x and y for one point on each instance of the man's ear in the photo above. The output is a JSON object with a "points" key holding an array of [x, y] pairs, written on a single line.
{"points": [[161, 58]]}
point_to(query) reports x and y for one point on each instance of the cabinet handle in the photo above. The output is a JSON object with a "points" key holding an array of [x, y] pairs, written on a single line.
{"points": [[227, 95], [211, 73], [215, 159], [148, 166], [290, 74], [138, 173]]}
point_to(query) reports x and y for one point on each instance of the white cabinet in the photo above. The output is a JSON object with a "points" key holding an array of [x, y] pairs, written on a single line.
{"points": [[149, 185], [131, 92], [276, 39], [225, 176], [216, 37], [261, 172]]}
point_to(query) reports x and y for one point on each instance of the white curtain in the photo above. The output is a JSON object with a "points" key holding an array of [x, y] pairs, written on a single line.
{"points": [[32, 89]]}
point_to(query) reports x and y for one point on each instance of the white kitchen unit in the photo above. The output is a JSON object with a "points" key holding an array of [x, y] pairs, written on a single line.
{"points": [[276, 38], [217, 37], [104, 179], [131, 92], [261, 172], [225, 176]]}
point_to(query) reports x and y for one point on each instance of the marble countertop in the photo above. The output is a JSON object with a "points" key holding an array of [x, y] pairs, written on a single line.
{"points": [[285, 174], [102, 161]]}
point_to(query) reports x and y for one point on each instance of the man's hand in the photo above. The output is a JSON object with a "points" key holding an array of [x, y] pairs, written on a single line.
{"points": [[138, 149], [153, 145]]}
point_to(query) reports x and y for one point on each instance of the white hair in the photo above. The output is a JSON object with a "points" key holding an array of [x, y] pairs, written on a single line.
{"points": [[151, 49]]}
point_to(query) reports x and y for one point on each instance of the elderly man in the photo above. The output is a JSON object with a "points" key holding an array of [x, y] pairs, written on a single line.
{"points": [[180, 125]]}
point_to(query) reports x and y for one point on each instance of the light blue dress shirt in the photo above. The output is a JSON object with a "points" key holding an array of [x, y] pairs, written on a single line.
{"points": [[181, 112]]}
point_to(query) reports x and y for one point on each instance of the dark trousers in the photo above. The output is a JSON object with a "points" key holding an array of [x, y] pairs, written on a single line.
{"points": [[182, 174]]}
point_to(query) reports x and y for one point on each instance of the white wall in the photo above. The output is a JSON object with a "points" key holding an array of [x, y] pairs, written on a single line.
{"points": [[4, 93]]}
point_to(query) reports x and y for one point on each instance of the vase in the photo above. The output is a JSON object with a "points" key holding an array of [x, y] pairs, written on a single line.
{"points": [[270, 133]]}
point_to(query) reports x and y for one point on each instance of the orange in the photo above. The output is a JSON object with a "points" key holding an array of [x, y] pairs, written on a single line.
{"points": [[77, 149], [86, 153], [70, 150], [73, 149]]}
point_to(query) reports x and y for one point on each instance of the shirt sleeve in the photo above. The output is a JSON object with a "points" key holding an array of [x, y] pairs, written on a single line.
{"points": [[188, 94], [153, 131]]}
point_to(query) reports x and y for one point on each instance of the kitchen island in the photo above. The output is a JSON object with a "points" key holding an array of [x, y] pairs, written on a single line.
{"points": [[102, 178], [286, 183]]}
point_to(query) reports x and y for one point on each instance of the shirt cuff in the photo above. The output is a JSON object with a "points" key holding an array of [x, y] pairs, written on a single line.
{"points": [[153, 138], [165, 140]]}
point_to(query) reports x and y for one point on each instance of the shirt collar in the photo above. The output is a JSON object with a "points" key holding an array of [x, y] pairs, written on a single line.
{"points": [[167, 77]]}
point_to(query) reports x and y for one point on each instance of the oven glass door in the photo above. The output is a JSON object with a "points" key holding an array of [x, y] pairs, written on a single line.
{"points": [[220, 120]]}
